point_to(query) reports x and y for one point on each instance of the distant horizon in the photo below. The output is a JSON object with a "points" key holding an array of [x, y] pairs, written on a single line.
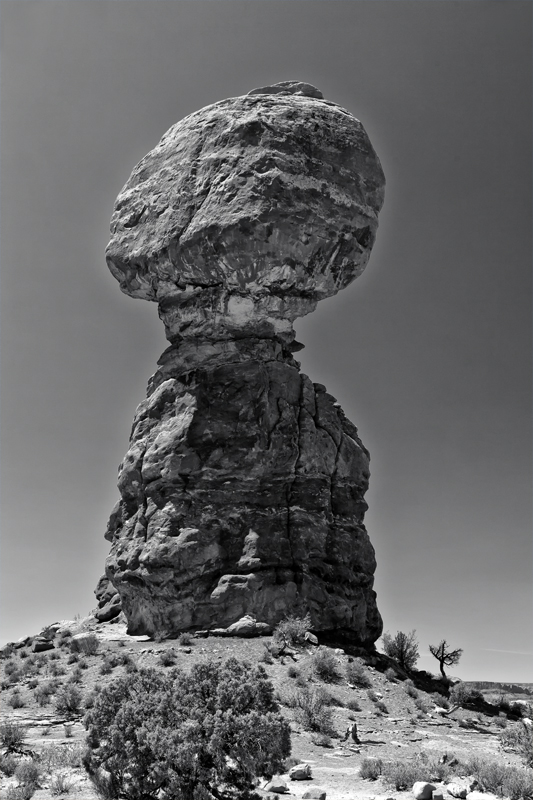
{"points": [[428, 351]]}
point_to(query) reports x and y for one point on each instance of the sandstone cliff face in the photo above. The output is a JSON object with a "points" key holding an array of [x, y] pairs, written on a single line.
{"points": [[243, 488]]}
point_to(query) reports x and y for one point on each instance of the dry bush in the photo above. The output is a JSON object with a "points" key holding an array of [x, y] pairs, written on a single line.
{"points": [[312, 709], [357, 675], [61, 783], [371, 769], [88, 645], [325, 665], [518, 737], [402, 774], [12, 735], [292, 630]]}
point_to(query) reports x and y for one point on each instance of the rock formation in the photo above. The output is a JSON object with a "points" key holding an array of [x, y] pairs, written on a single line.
{"points": [[242, 491]]}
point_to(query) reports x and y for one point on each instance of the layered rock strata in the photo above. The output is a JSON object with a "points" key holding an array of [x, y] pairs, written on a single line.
{"points": [[243, 488]]}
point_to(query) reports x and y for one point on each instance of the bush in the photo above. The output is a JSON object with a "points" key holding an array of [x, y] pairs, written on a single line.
{"points": [[371, 768], [186, 734], [24, 791], [325, 665], [421, 704], [402, 774], [440, 700], [73, 658], [8, 764], [69, 700], [185, 639], [357, 675], [43, 692], [461, 695], [12, 735], [77, 676], [56, 756], [16, 701], [353, 705], [10, 667], [167, 658], [380, 705], [61, 783], [28, 772], [518, 737], [403, 649], [292, 630], [312, 709], [372, 696], [390, 674], [293, 672], [322, 740], [87, 644], [410, 688]]}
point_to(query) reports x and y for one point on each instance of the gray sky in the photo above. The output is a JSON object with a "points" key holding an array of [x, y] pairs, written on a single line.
{"points": [[429, 352]]}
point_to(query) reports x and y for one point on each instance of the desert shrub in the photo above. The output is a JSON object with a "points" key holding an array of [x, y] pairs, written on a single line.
{"points": [[353, 705], [56, 756], [461, 695], [131, 666], [402, 648], [185, 639], [292, 630], [68, 700], [321, 740], [43, 692], [33, 683], [56, 670], [105, 668], [87, 644], [266, 656], [185, 734], [23, 654], [372, 696], [402, 774], [312, 709], [357, 675], [77, 676], [8, 764], [73, 658], [390, 674], [371, 768], [518, 737], [380, 705], [421, 704], [61, 783], [54, 655], [517, 783], [10, 667], [292, 671], [24, 791], [500, 722], [28, 771], [440, 700], [325, 665], [15, 700], [167, 658], [12, 735]]}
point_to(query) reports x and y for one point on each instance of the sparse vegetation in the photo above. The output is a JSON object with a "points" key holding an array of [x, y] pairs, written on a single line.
{"points": [[381, 706], [28, 772], [353, 705], [167, 658], [15, 700], [402, 648], [518, 738], [390, 674], [402, 774], [23, 791], [410, 688], [322, 740], [8, 764], [185, 639]]}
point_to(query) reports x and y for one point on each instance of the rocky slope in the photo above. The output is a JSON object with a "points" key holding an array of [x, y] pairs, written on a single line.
{"points": [[243, 488]]}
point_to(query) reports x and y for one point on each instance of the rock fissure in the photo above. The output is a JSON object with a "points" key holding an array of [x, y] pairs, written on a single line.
{"points": [[242, 492]]}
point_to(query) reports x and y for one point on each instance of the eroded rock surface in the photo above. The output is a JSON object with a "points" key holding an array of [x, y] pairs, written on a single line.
{"points": [[243, 488]]}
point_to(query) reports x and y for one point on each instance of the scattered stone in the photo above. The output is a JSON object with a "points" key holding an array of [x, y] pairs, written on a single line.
{"points": [[276, 785], [244, 215], [40, 644], [245, 626], [457, 790], [423, 790], [315, 793], [437, 795], [202, 634], [300, 772], [311, 638]]}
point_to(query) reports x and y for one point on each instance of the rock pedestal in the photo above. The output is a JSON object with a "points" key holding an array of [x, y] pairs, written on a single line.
{"points": [[243, 488]]}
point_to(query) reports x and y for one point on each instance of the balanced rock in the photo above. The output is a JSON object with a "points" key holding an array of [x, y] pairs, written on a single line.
{"points": [[242, 492]]}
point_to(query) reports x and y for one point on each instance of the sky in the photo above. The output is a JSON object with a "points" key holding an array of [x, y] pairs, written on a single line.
{"points": [[428, 352]]}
